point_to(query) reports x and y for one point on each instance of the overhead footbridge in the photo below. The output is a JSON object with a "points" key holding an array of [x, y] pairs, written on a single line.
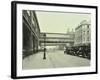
{"points": [[53, 39]]}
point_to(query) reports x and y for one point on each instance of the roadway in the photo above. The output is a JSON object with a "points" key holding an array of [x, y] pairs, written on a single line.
{"points": [[54, 59]]}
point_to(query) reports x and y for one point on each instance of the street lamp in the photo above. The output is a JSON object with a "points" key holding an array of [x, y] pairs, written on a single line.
{"points": [[44, 56]]}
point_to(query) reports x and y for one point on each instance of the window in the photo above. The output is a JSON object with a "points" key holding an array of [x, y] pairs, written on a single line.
{"points": [[28, 12]]}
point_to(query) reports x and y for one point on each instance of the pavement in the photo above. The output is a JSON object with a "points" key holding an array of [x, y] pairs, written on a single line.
{"points": [[54, 59]]}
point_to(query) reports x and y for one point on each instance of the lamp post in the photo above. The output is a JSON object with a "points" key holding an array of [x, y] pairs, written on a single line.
{"points": [[44, 56]]}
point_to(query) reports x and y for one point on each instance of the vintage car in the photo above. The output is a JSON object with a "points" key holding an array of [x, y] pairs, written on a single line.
{"points": [[81, 51]]}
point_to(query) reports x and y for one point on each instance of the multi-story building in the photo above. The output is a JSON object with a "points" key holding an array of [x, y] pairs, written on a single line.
{"points": [[71, 36], [83, 34], [31, 32]]}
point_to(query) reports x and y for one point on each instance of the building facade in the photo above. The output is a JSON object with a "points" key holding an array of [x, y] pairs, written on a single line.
{"points": [[83, 34], [72, 36], [31, 33]]}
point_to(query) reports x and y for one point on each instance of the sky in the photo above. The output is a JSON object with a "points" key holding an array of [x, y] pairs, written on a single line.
{"points": [[60, 22]]}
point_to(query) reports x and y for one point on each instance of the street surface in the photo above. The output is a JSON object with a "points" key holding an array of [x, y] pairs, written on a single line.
{"points": [[54, 59]]}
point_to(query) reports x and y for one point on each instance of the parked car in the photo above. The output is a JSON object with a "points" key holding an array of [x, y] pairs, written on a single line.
{"points": [[81, 51]]}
